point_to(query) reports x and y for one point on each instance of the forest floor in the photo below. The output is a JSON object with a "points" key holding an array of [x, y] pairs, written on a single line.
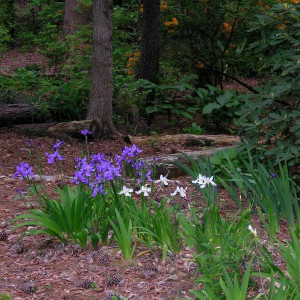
{"points": [[60, 271], [14, 59]]}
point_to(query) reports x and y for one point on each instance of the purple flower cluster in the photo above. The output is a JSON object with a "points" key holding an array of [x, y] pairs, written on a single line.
{"points": [[24, 170], [99, 169], [96, 172], [129, 154]]}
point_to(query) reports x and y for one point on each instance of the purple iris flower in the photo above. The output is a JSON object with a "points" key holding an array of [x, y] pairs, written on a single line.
{"points": [[98, 189], [272, 175], [85, 132], [136, 150], [87, 169], [138, 165], [79, 178], [53, 156], [24, 170], [128, 152], [80, 161], [29, 142], [148, 176], [97, 158], [99, 178], [57, 145], [108, 175]]}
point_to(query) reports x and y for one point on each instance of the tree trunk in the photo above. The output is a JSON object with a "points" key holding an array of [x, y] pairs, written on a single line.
{"points": [[149, 63], [100, 105], [75, 16]]}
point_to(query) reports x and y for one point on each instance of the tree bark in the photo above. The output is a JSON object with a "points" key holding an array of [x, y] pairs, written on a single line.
{"points": [[100, 105], [149, 64]]}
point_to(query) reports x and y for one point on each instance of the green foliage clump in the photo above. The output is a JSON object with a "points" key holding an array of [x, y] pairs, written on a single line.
{"points": [[4, 38], [5, 296], [221, 106], [194, 129], [270, 120]]}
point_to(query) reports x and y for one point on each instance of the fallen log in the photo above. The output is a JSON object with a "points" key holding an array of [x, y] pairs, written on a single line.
{"points": [[11, 114], [164, 164], [185, 139], [32, 129], [74, 128], [65, 131]]}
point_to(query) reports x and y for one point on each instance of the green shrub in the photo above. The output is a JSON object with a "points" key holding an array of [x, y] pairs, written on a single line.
{"points": [[270, 120]]}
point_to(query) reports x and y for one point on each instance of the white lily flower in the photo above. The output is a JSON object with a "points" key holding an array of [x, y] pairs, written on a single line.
{"points": [[145, 190], [252, 230], [210, 181], [203, 181], [126, 191], [199, 179], [163, 180], [181, 191]]}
